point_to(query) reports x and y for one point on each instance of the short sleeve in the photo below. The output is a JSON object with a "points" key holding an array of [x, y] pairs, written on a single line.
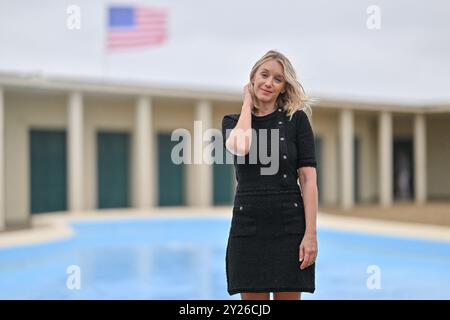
{"points": [[306, 149], [228, 122]]}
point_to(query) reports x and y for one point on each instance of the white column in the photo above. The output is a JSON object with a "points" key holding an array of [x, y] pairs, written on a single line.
{"points": [[75, 151], [330, 176], [420, 152], [2, 162], [385, 158], [144, 170], [201, 184], [346, 153]]}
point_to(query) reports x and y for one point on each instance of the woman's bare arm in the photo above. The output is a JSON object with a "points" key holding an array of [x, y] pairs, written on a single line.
{"points": [[308, 248], [240, 138], [308, 183]]}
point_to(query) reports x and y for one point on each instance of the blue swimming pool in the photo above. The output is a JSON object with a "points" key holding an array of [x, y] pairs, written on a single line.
{"points": [[184, 258]]}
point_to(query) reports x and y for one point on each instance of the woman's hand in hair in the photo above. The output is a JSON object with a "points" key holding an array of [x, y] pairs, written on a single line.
{"points": [[249, 94]]}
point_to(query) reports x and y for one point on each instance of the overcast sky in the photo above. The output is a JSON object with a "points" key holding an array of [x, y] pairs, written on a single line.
{"points": [[214, 44]]}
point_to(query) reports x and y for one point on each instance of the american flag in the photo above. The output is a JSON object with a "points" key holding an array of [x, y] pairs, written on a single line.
{"points": [[134, 27]]}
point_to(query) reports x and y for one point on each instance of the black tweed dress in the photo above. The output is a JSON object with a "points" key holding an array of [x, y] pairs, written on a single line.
{"points": [[268, 221]]}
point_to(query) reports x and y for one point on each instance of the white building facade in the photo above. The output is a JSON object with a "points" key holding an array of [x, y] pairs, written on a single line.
{"points": [[74, 145]]}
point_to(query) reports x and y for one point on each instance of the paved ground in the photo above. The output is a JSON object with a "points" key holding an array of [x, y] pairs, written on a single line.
{"points": [[436, 213]]}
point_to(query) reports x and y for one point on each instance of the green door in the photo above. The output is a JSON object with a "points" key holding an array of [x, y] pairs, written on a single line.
{"points": [[318, 143], [223, 178], [223, 175], [113, 169], [403, 161], [171, 175], [48, 170]]}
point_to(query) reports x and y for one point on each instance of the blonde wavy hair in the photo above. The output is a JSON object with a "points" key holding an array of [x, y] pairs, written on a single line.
{"points": [[294, 97]]}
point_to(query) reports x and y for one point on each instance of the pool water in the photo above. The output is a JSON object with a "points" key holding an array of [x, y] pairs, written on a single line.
{"points": [[184, 258]]}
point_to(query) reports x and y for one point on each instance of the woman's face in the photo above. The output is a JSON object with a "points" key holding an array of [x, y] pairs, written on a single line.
{"points": [[269, 81]]}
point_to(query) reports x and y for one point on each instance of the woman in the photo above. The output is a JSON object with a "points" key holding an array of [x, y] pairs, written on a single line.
{"points": [[272, 244]]}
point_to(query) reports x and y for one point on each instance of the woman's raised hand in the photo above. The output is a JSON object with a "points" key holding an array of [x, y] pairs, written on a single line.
{"points": [[248, 94]]}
